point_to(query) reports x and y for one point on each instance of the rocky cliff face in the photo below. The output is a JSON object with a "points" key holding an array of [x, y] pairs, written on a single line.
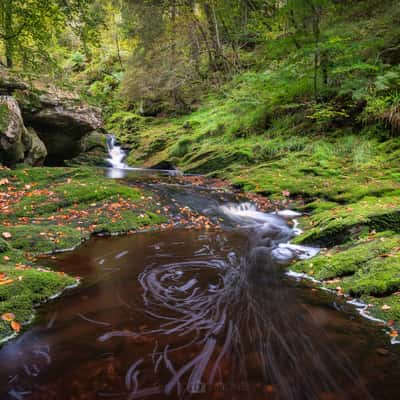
{"points": [[17, 143], [39, 127]]}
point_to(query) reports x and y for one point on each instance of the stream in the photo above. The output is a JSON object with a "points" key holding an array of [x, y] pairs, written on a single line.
{"points": [[202, 314]]}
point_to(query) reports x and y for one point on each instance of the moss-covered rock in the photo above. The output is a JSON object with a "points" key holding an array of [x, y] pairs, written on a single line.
{"points": [[12, 132], [338, 262], [29, 288], [337, 225], [94, 151], [94, 141], [125, 126], [61, 120], [378, 277], [37, 152], [368, 269]]}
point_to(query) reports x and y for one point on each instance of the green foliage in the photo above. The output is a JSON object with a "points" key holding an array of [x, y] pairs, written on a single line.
{"points": [[28, 28], [77, 61], [125, 126], [325, 114]]}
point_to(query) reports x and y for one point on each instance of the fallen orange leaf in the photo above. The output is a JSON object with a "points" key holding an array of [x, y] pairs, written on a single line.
{"points": [[8, 317], [6, 282], [15, 326]]}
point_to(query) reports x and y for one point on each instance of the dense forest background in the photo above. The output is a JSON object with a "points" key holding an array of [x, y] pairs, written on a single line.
{"points": [[153, 57]]}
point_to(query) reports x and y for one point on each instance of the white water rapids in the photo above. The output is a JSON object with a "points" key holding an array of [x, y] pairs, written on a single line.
{"points": [[271, 232]]}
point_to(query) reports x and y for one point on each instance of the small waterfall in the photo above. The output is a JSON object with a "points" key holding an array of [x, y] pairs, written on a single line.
{"points": [[116, 154]]}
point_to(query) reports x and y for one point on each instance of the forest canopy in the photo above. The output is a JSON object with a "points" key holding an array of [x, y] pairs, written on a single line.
{"points": [[166, 47], [157, 56]]}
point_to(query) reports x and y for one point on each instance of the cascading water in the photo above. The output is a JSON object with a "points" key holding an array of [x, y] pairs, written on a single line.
{"points": [[270, 232], [119, 169], [116, 153]]}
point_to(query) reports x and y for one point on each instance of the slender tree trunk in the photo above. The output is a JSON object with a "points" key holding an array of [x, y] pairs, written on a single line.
{"points": [[216, 28], [8, 33], [117, 45], [203, 35], [215, 36], [174, 58], [116, 18], [317, 54], [294, 23]]}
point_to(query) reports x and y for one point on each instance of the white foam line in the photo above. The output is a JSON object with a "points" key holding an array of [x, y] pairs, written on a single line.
{"points": [[360, 306], [7, 338], [301, 275]]}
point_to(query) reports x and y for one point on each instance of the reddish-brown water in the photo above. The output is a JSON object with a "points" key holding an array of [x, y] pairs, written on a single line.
{"points": [[196, 314], [244, 335]]}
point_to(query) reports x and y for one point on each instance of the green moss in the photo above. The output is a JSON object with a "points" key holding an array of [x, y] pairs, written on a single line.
{"points": [[80, 201], [340, 262], [319, 205], [125, 126], [38, 239], [129, 221], [94, 189], [336, 225], [30, 288], [378, 277], [44, 177], [4, 246], [3, 117], [380, 306]]}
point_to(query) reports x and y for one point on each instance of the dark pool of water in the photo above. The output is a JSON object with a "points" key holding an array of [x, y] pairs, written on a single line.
{"points": [[196, 314], [179, 315]]}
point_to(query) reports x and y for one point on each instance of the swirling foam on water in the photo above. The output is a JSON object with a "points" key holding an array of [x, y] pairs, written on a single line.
{"points": [[215, 316]]}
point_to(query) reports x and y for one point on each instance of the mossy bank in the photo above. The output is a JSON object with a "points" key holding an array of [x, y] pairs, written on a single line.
{"points": [[45, 210]]}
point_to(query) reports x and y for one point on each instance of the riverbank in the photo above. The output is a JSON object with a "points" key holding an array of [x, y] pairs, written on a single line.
{"points": [[48, 210]]}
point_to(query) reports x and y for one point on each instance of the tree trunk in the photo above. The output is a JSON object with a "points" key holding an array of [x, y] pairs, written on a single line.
{"points": [[215, 37], [317, 54], [8, 33]]}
